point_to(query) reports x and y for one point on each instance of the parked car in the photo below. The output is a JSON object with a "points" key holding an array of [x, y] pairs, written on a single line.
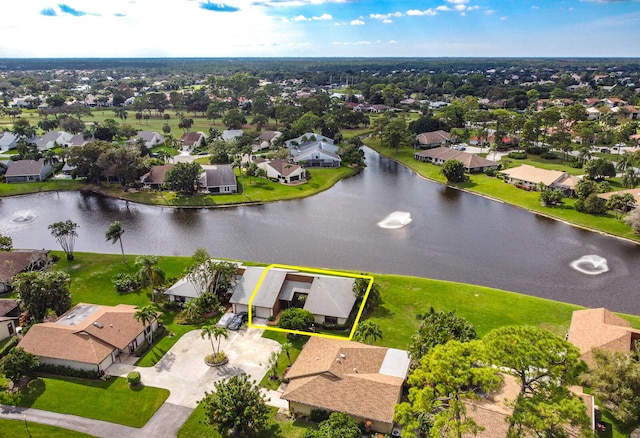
{"points": [[238, 320], [225, 319]]}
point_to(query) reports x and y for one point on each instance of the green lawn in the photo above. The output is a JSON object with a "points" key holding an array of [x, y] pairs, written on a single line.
{"points": [[18, 429], [497, 189], [283, 360], [195, 427], [12, 189], [110, 400]]}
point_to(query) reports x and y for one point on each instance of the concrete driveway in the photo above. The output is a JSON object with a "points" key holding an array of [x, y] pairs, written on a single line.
{"points": [[182, 369]]}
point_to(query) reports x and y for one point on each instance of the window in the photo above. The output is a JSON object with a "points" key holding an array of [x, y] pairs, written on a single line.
{"points": [[331, 319]]}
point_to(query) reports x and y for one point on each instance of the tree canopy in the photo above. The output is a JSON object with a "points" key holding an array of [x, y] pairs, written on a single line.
{"points": [[183, 177], [41, 291], [453, 170], [296, 319], [236, 407], [65, 233], [439, 328]]}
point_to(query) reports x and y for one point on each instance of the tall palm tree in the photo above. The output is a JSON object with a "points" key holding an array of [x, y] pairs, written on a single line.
{"points": [[114, 234], [149, 272], [213, 332], [367, 332], [287, 347], [146, 315]]}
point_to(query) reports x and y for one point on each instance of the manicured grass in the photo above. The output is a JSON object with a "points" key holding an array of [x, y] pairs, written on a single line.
{"points": [[111, 400], [283, 360], [497, 189], [18, 429], [195, 427], [50, 185], [253, 190]]}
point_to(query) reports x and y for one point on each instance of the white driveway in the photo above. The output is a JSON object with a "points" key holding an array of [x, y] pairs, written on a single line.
{"points": [[182, 369]]}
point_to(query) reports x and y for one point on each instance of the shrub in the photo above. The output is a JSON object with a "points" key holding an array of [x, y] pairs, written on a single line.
{"points": [[133, 378], [536, 150], [296, 319], [6, 348], [548, 155], [319, 415], [216, 358], [491, 172], [518, 155], [125, 283], [62, 370]]}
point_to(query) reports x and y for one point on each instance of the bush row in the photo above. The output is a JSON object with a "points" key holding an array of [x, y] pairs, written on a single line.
{"points": [[62, 370]]}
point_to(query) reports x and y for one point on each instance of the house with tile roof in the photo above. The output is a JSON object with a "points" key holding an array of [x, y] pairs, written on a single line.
{"points": [[265, 140], [14, 262], [283, 171], [530, 177], [28, 171], [440, 155], [154, 179], [150, 138], [329, 298], [600, 328], [192, 140], [433, 139], [88, 337], [363, 381], [219, 179]]}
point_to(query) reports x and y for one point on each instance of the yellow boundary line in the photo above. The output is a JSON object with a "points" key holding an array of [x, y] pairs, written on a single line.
{"points": [[315, 271]]}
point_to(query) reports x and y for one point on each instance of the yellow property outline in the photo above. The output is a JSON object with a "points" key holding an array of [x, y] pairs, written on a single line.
{"points": [[317, 271]]}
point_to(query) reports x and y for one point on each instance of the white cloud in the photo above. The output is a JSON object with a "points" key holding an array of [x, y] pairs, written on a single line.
{"points": [[417, 12], [323, 17], [301, 18], [489, 12], [444, 8], [357, 23], [362, 43], [393, 42], [387, 21], [504, 18], [535, 7], [458, 2]]}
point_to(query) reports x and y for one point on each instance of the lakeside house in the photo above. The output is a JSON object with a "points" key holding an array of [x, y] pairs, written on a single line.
{"points": [[219, 179], [154, 179], [363, 381], [282, 171], [530, 177], [440, 155], [9, 318], [329, 298], [14, 262], [433, 139], [28, 171]]}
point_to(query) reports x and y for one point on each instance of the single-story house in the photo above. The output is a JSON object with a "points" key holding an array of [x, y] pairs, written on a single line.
{"points": [[530, 177], [329, 298], [14, 262], [362, 381], [440, 155], [154, 179], [88, 337], [79, 140], [308, 138], [283, 171], [219, 179], [433, 139], [53, 139], [184, 290], [635, 192], [28, 171], [231, 134], [266, 140], [191, 140], [9, 318], [317, 157], [8, 140], [600, 328], [150, 138]]}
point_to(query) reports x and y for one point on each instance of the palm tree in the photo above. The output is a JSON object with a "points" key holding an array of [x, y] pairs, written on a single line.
{"points": [[213, 332], [367, 332], [625, 161], [114, 234], [121, 112], [146, 315], [287, 347], [149, 273]]}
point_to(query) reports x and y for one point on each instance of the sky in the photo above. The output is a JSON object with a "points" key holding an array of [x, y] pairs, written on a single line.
{"points": [[320, 28]]}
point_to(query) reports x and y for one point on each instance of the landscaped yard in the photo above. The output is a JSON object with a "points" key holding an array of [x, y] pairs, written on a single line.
{"points": [[20, 429], [111, 400], [195, 427]]}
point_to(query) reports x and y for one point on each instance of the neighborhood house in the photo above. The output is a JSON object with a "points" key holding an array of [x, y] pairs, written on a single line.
{"points": [[329, 298], [440, 155], [530, 177], [88, 337], [28, 171], [17, 261], [363, 381]]}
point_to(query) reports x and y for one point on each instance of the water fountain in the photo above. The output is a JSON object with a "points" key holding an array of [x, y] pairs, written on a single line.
{"points": [[397, 219], [23, 217], [591, 264]]}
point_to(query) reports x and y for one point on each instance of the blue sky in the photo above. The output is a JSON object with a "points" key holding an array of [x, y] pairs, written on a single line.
{"points": [[310, 28]]}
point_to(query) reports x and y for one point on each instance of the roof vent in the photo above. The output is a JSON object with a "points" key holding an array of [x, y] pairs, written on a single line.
{"points": [[71, 316], [97, 324], [338, 360], [355, 370], [344, 356]]}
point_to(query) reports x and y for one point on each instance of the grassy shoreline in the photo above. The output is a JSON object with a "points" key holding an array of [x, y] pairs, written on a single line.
{"points": [[499, 191]]}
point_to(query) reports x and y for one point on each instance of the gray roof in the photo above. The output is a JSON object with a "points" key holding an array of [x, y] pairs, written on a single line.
{"points": [[184, 288], [7, 139], [230, 134], [305, 138], [247, 283], [220, 175], [316, 154], [25, 167], [331, 296]]}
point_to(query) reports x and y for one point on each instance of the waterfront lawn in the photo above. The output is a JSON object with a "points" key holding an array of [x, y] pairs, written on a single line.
{"points": [[254, 190], [107, 400], [20, 429], [196, 427], [497, 189], [50, 185]]}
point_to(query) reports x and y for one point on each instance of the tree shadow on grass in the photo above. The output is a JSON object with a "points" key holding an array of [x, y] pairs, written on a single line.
{"points": [[262, 186]]}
